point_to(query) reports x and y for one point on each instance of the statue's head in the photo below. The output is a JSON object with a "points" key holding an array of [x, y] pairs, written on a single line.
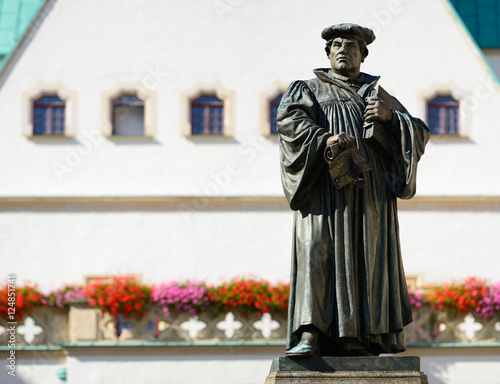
{"points": [[346, 47]]}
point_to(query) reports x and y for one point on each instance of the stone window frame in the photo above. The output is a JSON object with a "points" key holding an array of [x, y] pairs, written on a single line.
{"points": [[414, 281], [109, 278], [460, 95], [149, 98], [210, 88], [41, 89], [266, 98]]}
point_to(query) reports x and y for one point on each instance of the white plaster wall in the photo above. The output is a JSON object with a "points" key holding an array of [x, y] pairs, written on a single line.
{"points": [[58, 247], [468, 369], [39, 367], [450, 244], [221, 365], [462, 365], [145, 367], [246, 46], [61, 247], [452, 366]]}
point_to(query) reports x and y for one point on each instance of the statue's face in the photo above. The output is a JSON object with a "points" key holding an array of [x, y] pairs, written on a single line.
{"points": [[345, 56]]}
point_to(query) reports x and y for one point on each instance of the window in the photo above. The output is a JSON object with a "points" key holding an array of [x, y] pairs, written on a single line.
{"points": [[207, 112], [92, 279], [128, 112], [49, 112], [207, 115], [128, 116], [270, 100], [273, 111], [48, 115], [442, 115]]}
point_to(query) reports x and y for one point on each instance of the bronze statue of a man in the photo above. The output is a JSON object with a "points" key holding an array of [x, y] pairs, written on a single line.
{"points": [[348, 294]]}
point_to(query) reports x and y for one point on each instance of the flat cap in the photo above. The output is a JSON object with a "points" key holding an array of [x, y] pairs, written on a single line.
{"points": [[348, 29]]}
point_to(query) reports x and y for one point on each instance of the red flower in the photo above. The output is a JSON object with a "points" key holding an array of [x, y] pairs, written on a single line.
{"points": [[250, 296], [123, 296], [458, 298], [21, 299]]}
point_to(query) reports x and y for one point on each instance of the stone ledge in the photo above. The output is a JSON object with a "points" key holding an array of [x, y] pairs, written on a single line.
{"points": [[345, 377], [346, 370], [54, 326], [333, 364]]}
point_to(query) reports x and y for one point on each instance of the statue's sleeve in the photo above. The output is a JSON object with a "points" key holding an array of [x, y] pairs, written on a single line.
{"points": [[409, 137], [302, 143]]}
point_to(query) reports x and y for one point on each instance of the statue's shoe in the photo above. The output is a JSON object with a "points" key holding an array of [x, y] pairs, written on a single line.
{"points": [[306, 347]]}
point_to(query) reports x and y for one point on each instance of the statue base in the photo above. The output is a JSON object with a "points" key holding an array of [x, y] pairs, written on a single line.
{"points": [[346, 370]]}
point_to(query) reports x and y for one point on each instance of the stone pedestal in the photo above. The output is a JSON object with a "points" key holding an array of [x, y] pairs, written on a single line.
{"points": [[346, 370]]}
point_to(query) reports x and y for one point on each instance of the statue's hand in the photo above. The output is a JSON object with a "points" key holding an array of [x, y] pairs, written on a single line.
{"points": [[377, 110], [343, 139]]}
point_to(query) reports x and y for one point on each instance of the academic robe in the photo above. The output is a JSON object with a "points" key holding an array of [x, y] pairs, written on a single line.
{"points": [[347, 275]]}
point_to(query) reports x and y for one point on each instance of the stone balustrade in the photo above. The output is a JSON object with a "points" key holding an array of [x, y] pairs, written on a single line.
{"points": [[49, 326]]}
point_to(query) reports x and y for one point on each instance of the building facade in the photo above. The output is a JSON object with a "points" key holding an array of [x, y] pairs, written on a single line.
{"points": [[138, 140]]}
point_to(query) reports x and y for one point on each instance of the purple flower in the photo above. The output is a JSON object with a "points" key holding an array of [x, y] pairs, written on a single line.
{"points": [[417, 298], [59, 297], [174, 296], [490, 303]]}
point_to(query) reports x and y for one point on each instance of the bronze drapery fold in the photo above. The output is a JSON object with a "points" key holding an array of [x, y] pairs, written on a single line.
{"points": [[347, 275]]}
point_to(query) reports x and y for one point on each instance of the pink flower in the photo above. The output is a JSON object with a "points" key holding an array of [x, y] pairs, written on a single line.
{"points": [[189, 296], [490, 303]]}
